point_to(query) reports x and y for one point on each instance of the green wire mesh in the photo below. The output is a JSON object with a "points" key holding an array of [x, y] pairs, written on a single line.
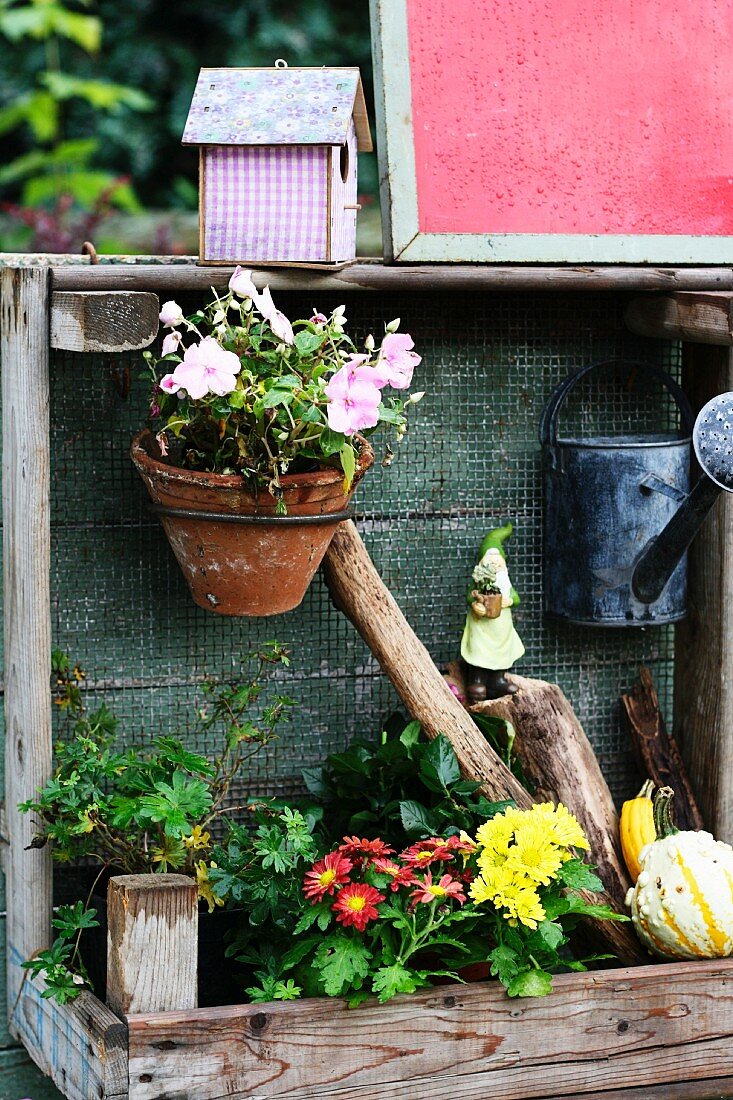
{"points": [[470, 461]]}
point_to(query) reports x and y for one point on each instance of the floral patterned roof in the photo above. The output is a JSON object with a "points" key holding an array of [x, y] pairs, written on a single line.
{"points": [[278, 106]]}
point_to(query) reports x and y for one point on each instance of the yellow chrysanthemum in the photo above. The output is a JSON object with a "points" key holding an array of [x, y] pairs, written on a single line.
{"points": [[522, 906], [534, 854], [565, 829], [494, 838]]}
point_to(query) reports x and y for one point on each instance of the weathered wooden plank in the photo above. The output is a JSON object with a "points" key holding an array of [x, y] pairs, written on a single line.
{"points": [[560, 764], [701, 318], [81, 1046], [24, 306], [703, 680], [715, 1088], [103, 320], [144, 273], [152, 943], [357, 589], [606, 1030]]}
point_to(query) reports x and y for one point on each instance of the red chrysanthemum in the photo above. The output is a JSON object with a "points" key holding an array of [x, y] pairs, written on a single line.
{"points": [[462, 843], [356, 904], [401, 876], [429, 891], [355, 846], [325, 875], [425, 852]]}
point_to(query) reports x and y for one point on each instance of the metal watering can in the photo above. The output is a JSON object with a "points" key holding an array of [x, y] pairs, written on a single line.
{"points": [[618, 512]]}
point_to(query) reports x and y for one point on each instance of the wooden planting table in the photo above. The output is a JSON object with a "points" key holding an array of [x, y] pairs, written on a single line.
{"points": [[654, 1032]]}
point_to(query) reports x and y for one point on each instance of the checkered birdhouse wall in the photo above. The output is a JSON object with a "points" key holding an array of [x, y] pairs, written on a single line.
{"points": [[278, 163]]}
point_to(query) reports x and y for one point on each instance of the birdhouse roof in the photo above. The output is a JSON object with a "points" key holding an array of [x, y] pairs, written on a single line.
{"points": [[278, 106]]}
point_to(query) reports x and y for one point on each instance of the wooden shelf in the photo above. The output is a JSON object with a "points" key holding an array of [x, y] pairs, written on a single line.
{"points": [[178, 273]]}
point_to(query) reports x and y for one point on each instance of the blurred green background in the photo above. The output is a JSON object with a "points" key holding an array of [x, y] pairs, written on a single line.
{"points": [[94, 97]]}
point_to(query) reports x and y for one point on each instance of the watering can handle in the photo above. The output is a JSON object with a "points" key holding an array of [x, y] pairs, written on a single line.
{"points": [[551, 411]]}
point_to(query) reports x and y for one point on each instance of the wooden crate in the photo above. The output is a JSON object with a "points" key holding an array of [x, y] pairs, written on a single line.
{"points": [[647, 1032]]}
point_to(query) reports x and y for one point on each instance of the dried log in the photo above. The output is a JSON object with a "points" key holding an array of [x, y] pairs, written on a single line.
{"points": [[560, 764], [97, 320], [357, 589], [656, 750]]}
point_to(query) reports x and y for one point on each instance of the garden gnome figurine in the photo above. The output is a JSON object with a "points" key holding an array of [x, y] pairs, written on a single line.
{"points": [[490, 644]]}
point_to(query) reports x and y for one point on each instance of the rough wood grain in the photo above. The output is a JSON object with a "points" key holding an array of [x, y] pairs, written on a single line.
{"points": [[24, 310], [700, 317], [152, 943], [703, 677], [103, 320], [560, 764], [657, 753], [607, 1030], [358, 590], [81, 1046], [170, 274]]}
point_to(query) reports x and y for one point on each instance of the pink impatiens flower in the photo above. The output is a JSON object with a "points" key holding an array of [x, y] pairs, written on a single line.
{"points": [[207, 368], [241, 283], [277, 321], [172, 342], [169, 384], [397, 360], [171, 314], [353, 403]]}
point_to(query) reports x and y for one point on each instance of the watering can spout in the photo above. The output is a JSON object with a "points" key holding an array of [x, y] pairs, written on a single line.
{"points": [[712, 438]]}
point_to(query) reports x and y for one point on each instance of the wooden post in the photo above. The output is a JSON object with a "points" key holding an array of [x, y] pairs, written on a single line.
{"points": [[24, 354], [703, 694], [152, 943]]}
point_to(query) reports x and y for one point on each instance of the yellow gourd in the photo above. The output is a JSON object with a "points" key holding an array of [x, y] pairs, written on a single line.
{"points": [[637, 827], [682, 904]]}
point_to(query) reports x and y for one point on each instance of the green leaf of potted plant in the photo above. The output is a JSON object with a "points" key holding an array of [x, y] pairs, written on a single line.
{"points": [[259, 441]]}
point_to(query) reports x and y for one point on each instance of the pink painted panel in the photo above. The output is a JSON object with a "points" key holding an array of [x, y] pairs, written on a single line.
{"points": [[567, 116], [265, 203]]}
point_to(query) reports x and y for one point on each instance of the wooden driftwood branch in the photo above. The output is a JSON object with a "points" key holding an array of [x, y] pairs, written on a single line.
{"points": [[656, 750], [560, 764], [358, 591]]}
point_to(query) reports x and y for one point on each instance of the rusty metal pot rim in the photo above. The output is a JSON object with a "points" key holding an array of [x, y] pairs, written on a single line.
{"points": [[144, 442]]}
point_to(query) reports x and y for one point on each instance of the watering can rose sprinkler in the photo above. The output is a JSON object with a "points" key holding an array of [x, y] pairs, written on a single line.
{"points": [[712, 439]]}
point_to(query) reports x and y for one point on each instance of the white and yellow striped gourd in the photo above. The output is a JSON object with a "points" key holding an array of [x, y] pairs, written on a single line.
{"points": [[682, 904]]}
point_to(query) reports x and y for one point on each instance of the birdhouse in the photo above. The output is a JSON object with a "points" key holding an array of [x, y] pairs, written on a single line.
{"points": [[277, 163]]}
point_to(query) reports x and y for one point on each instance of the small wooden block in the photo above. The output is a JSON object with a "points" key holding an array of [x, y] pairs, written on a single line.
{"points": [[700, 317], [152, 943], [103, 320]]}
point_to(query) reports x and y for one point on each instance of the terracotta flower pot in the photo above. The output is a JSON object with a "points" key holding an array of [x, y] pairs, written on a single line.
{"points": [[260, 567]]}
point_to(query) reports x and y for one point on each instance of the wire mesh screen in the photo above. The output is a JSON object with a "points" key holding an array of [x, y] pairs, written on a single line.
{"points": [[470, 461]]}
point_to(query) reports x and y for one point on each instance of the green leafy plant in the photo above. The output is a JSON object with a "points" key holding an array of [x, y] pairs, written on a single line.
{"points": [[399, 787], [59, 173], [60, 965], [380, 922], [140, 810]]}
